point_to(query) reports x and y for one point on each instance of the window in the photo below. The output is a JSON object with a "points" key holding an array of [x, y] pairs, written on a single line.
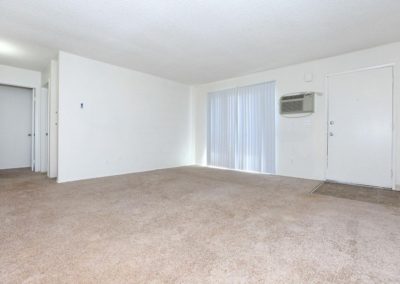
{"points": [[241, 128]]}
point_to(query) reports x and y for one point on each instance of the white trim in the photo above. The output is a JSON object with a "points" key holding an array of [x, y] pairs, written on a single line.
{"points": [[390, 65], [48, 126], [44, 128], [277, 129], [394, 115], [33, 132]]}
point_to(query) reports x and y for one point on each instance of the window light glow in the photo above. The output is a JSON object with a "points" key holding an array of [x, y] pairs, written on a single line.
{"points": [[7, 48]]}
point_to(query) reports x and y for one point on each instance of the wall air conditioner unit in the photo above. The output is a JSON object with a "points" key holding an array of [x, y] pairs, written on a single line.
{"points": [[297, 103]]}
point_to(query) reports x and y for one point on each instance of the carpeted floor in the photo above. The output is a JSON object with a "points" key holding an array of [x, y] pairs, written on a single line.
{"points": [[191, 225]]}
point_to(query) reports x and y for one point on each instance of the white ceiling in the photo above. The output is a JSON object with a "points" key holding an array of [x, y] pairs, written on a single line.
{"points": [[195, 41]]}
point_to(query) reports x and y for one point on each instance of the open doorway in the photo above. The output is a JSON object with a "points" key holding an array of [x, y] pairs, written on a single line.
{"points": [[17, 121]]}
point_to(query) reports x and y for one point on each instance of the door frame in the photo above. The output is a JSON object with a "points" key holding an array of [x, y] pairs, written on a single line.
{"points": [[33, 131], [44, 128], [394, 113]]}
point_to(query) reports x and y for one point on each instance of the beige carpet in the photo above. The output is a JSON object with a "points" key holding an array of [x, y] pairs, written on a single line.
{"points": [[191, 225]]}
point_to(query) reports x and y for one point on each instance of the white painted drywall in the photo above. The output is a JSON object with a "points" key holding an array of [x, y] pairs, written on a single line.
{"points": [[19, 77], [53, 119], [130, 121], [28, 79], [301, 142], [46, 75], [15, 127]]}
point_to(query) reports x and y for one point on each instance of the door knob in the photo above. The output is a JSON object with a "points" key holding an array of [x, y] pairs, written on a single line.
{"points": [[29, 134]]}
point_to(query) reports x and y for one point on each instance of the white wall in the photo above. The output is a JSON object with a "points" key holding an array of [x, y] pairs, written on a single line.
{"points": [[53, 119], [130, 121], [19, 77], [302, 142], [46, 73], [29, 79]]}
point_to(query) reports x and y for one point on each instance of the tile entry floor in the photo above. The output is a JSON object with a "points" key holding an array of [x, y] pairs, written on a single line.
{"points": [[360, 193]]}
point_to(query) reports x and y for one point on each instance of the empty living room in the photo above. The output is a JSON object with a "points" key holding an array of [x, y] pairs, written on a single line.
{"points": [[188, 141]]}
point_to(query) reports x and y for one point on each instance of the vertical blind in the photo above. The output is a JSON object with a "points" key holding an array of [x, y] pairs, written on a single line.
{"points": [[241, 128]]}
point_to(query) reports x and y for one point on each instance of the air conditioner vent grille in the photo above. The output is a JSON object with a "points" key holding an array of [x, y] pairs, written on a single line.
{"points": [[297, 103], [288, 98], [292, 107]]}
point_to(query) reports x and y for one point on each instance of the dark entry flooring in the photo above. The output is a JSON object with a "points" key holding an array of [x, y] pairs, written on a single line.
{"points": [[360, 193]]}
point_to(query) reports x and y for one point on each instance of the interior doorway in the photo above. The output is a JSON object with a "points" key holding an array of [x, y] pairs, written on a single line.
{"points": [[16, 127], [360, 125]]}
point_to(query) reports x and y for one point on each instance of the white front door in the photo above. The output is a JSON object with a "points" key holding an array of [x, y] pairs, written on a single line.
{"points": [[15, 127], [360, 127]]}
